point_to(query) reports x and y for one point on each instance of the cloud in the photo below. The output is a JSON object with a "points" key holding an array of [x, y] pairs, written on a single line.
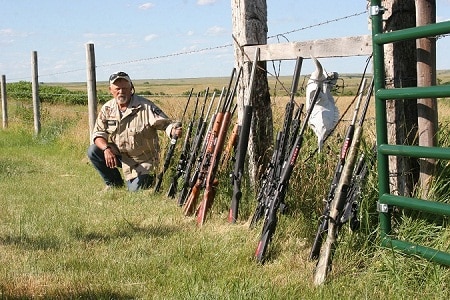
{"points": [[8, 36], [190, 33], [8, 32], [150, 37], [146, 6], [206, 2], [215, 30]]}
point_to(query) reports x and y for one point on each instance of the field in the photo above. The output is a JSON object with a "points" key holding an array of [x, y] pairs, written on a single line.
{"points": [[61, 237]]}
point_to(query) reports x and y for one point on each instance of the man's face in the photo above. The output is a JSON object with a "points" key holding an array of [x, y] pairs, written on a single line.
{"points": [[121, 90]]}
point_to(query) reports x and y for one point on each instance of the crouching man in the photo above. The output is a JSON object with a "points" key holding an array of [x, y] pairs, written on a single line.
{"points": [[125, 136]]}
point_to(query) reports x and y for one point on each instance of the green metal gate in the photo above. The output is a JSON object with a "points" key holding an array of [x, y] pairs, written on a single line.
{"points": [[384, 150]]}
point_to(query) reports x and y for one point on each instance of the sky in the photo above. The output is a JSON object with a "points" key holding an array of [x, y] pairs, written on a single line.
{"points": [[164, 38]]}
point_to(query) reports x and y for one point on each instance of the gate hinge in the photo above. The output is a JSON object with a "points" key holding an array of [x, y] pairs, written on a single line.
{"points": [[376, 10], [383, 208]]}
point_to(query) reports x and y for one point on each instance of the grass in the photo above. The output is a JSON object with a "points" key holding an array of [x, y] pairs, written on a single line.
{"points": [[60, 237]]}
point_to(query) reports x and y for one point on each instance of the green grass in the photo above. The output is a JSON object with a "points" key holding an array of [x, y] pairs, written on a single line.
{"points": [[60, 237]]}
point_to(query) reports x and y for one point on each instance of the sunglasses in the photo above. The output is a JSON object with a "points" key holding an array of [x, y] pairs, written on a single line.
{"points": [[118, 74]]}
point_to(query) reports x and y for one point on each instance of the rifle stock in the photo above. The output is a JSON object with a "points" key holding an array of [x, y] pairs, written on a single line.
{"points": [[220, 136], [202, 162], [323, 222], [236, 176], [242, 145], [277, 197], [275, 166], [202, 126], [336, 206]]}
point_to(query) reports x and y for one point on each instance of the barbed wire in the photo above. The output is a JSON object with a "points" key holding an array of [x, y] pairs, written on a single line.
{"points": [[195, 51]]}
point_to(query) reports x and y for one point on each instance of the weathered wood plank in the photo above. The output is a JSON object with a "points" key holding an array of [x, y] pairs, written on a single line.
{"points": [[334, 47]]}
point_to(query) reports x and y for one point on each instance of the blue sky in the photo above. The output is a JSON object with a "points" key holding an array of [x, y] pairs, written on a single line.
{"points": [[139, 37]]}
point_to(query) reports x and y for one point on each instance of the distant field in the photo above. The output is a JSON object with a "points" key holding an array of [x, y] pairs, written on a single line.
{"points": [[181, 85]]}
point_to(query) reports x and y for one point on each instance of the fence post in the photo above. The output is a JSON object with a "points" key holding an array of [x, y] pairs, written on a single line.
{"points": [[4, 103], [91, 87], [35, 92]]}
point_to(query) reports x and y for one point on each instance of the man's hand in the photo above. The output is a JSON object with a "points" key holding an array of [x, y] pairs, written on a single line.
{"points": [[177, 130], [110, 158]]}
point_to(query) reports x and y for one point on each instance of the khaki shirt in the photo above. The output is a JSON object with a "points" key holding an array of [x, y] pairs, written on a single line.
{"points": [[133, 134]]}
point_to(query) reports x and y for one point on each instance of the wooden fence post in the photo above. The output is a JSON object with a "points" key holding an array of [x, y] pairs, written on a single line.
{"points": [[4, 103], [426, 108], [35, 92], [91, 87]]}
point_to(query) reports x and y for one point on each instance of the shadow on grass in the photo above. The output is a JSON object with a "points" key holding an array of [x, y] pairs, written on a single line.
{"points": [[31, 243], [126, 230]]}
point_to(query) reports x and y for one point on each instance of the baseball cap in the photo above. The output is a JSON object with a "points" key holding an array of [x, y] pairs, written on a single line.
{"points": [[119, 75]]}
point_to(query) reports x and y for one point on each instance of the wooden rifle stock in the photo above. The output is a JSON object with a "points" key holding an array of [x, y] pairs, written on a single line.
{"points": [[192, 200], [211, 182], [231, 144]]}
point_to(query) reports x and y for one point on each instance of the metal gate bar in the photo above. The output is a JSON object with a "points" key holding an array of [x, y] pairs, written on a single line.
{"points": [[386, 200]]}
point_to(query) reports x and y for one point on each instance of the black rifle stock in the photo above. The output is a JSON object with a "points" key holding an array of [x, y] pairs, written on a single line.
{"points": [[266, 179], [273, 174], [170, 151], [274, 201], [196, 145], [242, 145], [182, 161]]}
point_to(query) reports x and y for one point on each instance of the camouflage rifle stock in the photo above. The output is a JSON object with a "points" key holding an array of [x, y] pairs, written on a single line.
{"points": [[325, 256], [323, 222]]}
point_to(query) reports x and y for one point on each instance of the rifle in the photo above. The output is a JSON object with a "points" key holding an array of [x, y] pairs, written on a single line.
{"points": [[201, 129], [219, 141], [204, 161], [242, 145], [323, 222], [170, 151], [351, 207], [324, 263], [230, 147], [270, 220], [273, 171], [182, 161], [266, 179]]}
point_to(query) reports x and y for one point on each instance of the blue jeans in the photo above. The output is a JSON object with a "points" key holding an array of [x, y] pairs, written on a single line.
{"points": [[112, 176]]}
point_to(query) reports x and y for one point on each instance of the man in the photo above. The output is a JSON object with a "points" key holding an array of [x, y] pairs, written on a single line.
{"points": [[125, 136]]}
